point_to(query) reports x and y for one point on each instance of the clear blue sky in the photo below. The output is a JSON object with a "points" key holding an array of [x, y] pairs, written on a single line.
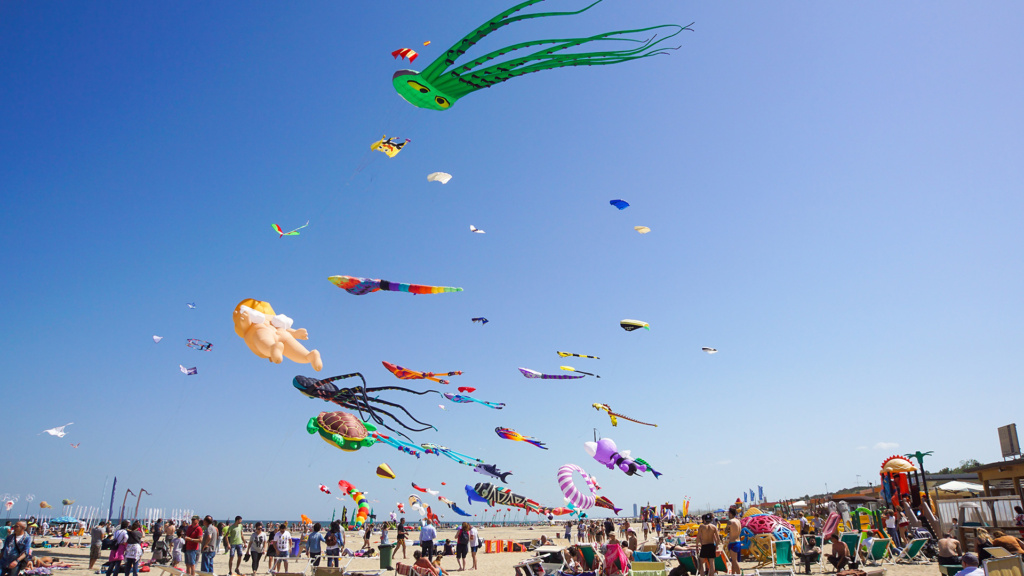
{"points": [[834, 193]]}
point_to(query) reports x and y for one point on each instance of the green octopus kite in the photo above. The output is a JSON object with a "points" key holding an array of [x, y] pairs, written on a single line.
{"points": [[438, 89]]}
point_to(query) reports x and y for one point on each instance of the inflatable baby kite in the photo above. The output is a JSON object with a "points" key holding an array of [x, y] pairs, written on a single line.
{"points": [[270, 335]]}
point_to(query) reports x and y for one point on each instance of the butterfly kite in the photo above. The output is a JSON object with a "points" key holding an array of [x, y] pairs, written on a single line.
{"points": [[565, 354], [58, 431], [281, 233], [406, 374], [462, 399], [510, 434], [198, 344], [360, 286], [534, 374], [615, 415], [188, 371]]}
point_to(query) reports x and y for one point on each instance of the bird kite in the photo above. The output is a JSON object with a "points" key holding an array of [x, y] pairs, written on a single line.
{"points": [[281, 233], [565, 354], [198, 344], [462, 399], [188, 371], [615, 415], [534, 374], [442, 177], [510, 434], [476, 230], [620, 204], [630, 325], [157, 339], [481, 320], [76, 445], [466, 389], [191, 305], [406, 374], [389, 146], [384, 471], [642, 229], [360, 286], [58, 431], [571, 369], [325, 489], [405, 53], [710, 350], [440, 84]]}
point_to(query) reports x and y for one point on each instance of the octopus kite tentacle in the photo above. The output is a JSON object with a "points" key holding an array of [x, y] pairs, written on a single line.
{"points": [[438, 88]]}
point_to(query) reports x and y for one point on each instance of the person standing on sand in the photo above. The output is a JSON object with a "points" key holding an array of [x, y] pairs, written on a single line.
{"points": [[427, 535], [283, 543], [474, 543], [707, 540], [314, 544], [96, 544], [210, 537], [236, 543], [462, 545], [257, 546], [734, 541], [120, 539], [400, 535], [193, 542]]}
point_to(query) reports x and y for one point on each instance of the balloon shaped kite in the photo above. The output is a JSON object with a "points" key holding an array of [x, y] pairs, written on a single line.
{"points": [[270, 335], [360, 500], [384, 471], [615, 415], [605, 452], [360, 286], [439, 86]]}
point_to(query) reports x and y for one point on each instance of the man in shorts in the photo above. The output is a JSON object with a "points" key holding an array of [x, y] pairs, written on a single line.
{"points": [[707, 540], [236, 543], [734, 541], [283, 543], [193, 541], [96, 544]]}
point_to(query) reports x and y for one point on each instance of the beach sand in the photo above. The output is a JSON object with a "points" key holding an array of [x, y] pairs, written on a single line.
{"points": [[488, 564]]}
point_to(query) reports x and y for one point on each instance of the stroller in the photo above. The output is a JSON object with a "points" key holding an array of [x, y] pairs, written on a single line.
{"points": [[162, 551]]}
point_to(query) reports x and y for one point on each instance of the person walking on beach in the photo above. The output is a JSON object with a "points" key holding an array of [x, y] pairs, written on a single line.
{"points": [[120, 539], [734, 541], [427, 535], [367, 531], [401, 535], [17, 551], [314, 545], [474, 543], [283, 543], [707, 540], [193, 542], [462, 545], [96, 543], [210, 536], [133, 550], [236, 543], [257, 546]]}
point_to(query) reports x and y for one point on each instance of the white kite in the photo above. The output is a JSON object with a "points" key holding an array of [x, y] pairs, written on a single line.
{"points": [[58, 431], [188, 371], [710, 350], [157, 338], [476, 230], [442, 177], [191, 305]]}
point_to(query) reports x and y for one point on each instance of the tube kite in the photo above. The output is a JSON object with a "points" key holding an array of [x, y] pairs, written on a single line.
{"points": [[534, 374], [406, 374], [566, 354], [615, 415], [425, 490], [630, 325], [360, 500], [462, 399], [360, 286], [510, 434], [573, 494], [438, 87]]}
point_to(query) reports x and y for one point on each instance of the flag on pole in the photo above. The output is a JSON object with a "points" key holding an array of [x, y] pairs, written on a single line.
{"points": [[744, 497], [760, 493], [751, 495]]}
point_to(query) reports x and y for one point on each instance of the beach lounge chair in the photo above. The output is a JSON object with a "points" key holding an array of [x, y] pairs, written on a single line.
{"points": [[782, 553], [1008, 566], [912, 553], [852, 541], [642, 556], [590, 555], [647, 569], [878, 551], [687, 561], [721, 563], [950, 569], [998, 552]]}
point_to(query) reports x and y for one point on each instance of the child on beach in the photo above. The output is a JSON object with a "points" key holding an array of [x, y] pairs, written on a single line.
{"points": [[177, 545]]}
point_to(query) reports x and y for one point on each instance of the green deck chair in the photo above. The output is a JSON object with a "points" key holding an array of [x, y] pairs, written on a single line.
{"points": [[782, 552], [688, 562], [912, 552], [852, 541], [879, 549]]}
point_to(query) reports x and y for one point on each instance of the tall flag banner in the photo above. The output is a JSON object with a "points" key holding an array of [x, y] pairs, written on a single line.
{"points": [[110, 512], [760, 493], [744, 497], [751, 495]]}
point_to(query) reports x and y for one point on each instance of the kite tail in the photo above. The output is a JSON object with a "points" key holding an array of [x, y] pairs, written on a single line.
{"points": [[633, 420], [536, 443], [503, 476]]}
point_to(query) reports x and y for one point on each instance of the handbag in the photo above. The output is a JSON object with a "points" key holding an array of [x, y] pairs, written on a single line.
{"points": [[246, 557]]}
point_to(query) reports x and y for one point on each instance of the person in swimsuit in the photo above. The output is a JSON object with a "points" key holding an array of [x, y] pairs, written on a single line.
{"points": [[707, 539], [400, 535], [734, 541]]}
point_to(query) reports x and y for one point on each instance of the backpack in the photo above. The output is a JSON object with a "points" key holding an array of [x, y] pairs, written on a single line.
{"points": [[331, 540]]}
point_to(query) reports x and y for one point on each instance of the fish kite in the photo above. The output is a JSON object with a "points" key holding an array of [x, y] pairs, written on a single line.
{"points": [[501, 496], [281, 233], [67, 502], [462, 399], [442, 83], [360, 286], [389, 146], [425, 490], [188, 371], [710, 350], [466, 389], [603, 502], [442, 177], [58, 431], [615, 415], [325, 489], [534, 374], [476, 230], [564, 354], [620, 204], [405, 53], [642, 229], [571, 369], [630, 325], [198, 344], [384, 471], [481, 320], [157, 339], [76, 445], [406, 374], [45, 504], [492, 471], [510, 434]]}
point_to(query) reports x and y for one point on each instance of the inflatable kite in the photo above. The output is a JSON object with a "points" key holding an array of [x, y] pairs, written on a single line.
{"points": [[602, 502], [188, 371], [45, 504], [630, 325], [605, 452], [305, 519], [566, 354], [58, 431], [405, 53], [270, 335], [439, 86], [510, 434], [501, 496], [384, 471], [198, 344], [281, 233], [360, 286], [406, 374], [534, 374], [425, 490], [462, 399], [358, 398], [571, 369], [346, 432], [481, 320], [466, 389], [615, 415], [645, 463], [642, 229], [325, 489], [709, 350], [389, 146], [620, 204], [442, 177], [476, 230], [492, 471], [472, 496], [573, 494], [67, 502], [360, 500]]}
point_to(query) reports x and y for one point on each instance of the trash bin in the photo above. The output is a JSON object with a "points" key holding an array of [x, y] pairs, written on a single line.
{"points": [[385, 556]]}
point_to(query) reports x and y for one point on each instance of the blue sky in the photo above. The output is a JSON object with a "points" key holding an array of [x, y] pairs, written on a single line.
{"points": [[833, 192]]}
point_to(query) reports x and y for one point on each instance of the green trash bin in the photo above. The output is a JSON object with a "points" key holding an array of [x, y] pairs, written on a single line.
{"points": [[385, 556]]}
